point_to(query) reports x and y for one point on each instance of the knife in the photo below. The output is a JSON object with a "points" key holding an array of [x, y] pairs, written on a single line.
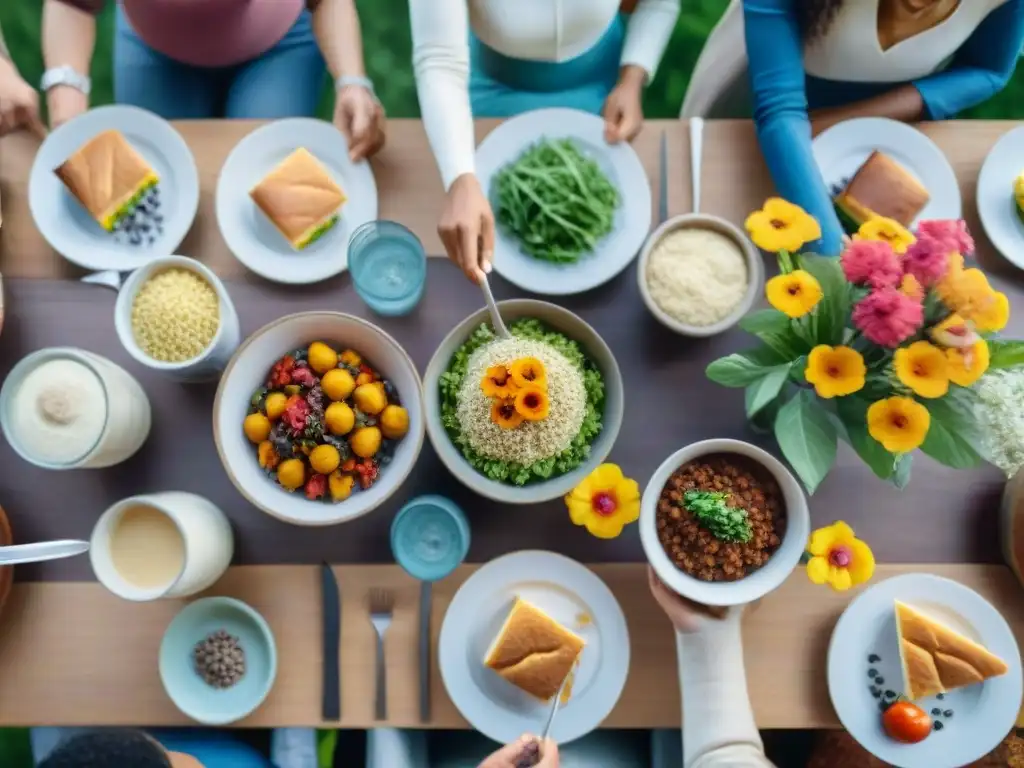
{"points": [[332, 644], [532, 755], [663, 183], [426, 597]]}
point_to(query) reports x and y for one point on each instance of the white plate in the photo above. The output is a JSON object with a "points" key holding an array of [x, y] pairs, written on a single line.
{"points": [[844, 147], [562, 588], [248, 232], [619, 162], [982, 714], [996, 205], [69, 228]]}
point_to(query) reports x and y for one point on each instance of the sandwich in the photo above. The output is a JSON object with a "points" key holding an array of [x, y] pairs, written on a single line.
{"points": [[881, 187], [937, 659], [533, 651], [300, 198], [108, 177]]}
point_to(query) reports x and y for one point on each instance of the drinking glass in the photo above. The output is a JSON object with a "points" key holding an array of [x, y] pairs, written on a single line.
{"points": [[388, 266]]}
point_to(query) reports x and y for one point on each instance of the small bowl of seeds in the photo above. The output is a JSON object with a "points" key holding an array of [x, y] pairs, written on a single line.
{"points": [[175, 315], [218, 660]]}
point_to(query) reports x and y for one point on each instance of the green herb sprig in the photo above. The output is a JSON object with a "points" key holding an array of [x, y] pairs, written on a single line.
{"points": [[711, 510]]}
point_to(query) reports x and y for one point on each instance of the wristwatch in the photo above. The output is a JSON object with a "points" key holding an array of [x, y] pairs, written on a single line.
{"points": [[65, 75], [356, 80]]}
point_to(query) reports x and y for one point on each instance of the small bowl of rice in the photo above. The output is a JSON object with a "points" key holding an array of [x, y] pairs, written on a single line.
{"points": [[174, 315], [699, 274]]}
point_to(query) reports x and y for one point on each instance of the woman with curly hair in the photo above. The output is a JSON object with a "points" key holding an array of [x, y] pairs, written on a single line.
{"points": [[814, 63]]}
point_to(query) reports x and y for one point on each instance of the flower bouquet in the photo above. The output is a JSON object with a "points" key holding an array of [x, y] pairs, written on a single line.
{"points": [[881, 348]]}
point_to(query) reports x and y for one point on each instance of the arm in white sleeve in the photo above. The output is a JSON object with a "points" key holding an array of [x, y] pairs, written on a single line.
{"points": [[718, 722], [647, 36], [440, 56]]}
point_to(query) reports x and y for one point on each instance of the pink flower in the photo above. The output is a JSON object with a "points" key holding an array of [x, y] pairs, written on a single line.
{"points": [[952, 233], [927, 259], [888, 317], [871, 262]]}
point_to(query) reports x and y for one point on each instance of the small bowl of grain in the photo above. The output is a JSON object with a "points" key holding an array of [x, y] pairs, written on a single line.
{"points": [[175, 315], [699, 274], [723, 522]]}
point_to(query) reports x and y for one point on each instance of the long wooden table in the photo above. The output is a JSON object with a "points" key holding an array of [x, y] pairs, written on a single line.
{"points": [[72, 654]]}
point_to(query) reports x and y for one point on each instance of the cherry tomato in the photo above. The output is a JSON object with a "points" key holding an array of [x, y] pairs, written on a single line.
{"points": [[907, 722]]}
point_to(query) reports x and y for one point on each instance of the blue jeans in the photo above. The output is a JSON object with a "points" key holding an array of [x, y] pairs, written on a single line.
{"points": [[286, 81]]}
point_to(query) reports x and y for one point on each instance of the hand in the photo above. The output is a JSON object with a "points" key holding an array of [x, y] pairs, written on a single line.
{"points": [[65, 103], [623, 112], [510, 755], [359, 116], [467, 227], [19, 102], [686, 616]]}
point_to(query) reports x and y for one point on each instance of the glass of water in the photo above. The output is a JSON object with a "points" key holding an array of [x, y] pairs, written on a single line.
{"points": [[388, 266]]}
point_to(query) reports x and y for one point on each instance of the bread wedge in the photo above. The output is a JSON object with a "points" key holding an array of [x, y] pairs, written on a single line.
{"points": [[882, 187], [937, 659], [533, 651], [300, 198], [108, 177]]}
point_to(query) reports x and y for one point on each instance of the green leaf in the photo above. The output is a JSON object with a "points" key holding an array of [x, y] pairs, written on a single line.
{"points": [[1005, 354], [828, 320], [952, 435], [807, 437], [853, 412], [775, 330], [744, 368], [798, 370], [764, 390], [901, 477]]}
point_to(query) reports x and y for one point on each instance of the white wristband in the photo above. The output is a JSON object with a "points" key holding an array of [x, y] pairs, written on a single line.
{"points": [[357, 80]]}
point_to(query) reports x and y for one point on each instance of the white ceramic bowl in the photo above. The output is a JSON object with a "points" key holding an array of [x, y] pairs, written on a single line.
{"points": [[755, 271], [248, 370], [210, 362], [762, 581], [573, 327]]}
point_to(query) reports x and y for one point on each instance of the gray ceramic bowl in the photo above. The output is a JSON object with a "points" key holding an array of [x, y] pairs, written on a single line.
{"points": [[755, 272], [563, 321]]}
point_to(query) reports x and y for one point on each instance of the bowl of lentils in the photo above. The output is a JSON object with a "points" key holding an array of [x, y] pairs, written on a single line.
{"points": [[723, 522]]}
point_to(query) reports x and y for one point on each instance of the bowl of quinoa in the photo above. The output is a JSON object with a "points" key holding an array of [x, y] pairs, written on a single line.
{"points": [[723, 522], [523, 420], [175, 315]]}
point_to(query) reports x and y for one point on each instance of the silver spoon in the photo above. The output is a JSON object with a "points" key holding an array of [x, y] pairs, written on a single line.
{"points": [[696, 158], [42, 550], [492, 306]]}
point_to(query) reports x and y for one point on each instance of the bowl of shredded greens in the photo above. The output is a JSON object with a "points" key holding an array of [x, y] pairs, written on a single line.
{"points": [[523, 420]]}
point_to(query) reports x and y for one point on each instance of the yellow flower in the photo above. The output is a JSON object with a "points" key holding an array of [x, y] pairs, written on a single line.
{"points": [[909, 286], [966, 366], [835, 371], [795, 293], [886, 231], [900, 424], [838, 558], [781, 226], [497, 382], [604, 502], [923, 368], [994, 314], [965, 291]]}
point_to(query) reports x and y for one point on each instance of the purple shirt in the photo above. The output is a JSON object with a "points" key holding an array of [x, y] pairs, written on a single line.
{"points": [[208, 33]]}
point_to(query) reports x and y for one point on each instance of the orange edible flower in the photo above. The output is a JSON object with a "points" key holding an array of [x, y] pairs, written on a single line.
{"points": [[504, 413], [532, 404], [498, 382], [529, 372]]}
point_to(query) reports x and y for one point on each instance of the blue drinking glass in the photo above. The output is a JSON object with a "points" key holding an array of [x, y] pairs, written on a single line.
{"points": [[388, 266]]}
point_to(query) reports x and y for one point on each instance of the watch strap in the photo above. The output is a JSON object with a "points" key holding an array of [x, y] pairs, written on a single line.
{"points": [[359, 81], [65, 75]]}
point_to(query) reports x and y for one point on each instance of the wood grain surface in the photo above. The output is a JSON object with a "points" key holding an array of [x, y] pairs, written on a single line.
{"points": [[100, 667]]}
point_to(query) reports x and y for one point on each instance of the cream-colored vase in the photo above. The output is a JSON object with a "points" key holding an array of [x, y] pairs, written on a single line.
{"points": [[1012, 524]]}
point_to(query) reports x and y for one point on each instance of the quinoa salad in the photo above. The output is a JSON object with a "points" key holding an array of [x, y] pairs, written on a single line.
{"points": [[525, 409]]}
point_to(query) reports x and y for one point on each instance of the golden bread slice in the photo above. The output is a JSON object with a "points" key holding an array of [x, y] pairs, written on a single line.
{"points": [[937, 659], [533, 651], [882, 187], [107, 176], [300, 198]]}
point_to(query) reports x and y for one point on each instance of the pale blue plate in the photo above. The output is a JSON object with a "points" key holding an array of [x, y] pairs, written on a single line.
{"points": [[188, 691]]}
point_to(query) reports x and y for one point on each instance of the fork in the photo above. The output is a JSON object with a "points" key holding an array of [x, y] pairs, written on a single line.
{"points": [[381, 607]]}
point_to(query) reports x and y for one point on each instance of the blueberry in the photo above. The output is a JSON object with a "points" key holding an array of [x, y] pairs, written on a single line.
{"points": [[882, 706], [937, 725], [874, 658], [872, 673], [941, 696], [879, 680], [948, 713], [936, 711], [876, 692], [890, 694]]}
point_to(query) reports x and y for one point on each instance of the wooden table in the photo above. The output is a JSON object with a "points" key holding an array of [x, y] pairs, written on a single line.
{"points": [[72, 654]]}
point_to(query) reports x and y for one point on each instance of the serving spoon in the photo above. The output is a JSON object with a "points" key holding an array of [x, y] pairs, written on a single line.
{"points": [[41, 551], [492, 306]]}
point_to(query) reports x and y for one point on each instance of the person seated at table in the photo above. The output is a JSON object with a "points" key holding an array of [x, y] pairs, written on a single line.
{"points": [[19, 101], [194, 748], [217, 58], [814, 63], [495, 58]]}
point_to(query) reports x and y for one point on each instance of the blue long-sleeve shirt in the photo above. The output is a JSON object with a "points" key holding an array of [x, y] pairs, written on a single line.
{"points": [[784, 92]]}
